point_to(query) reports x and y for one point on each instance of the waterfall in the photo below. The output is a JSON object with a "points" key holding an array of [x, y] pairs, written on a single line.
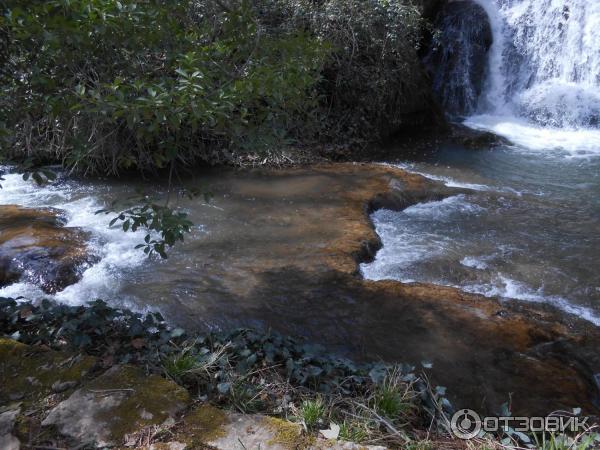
{"points": [[544, 63]]}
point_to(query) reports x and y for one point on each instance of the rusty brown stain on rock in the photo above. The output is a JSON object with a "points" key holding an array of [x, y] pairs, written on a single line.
{"points": [[35, 244], [484, 347]]}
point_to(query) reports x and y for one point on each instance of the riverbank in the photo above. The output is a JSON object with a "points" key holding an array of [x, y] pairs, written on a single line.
{"points": [[92, 376], [88, 377]]}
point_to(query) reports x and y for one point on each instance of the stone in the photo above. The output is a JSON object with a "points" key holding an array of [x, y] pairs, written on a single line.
{"points": [[37, 247], [168, 446], [295, 270], [121, 401], [62, 386], [322, 444], [7, 422], [30, 373], [458, 63], [223, 430]]}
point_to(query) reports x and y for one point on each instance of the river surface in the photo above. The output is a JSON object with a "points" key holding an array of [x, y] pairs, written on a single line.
{"points": [[529, 229]]}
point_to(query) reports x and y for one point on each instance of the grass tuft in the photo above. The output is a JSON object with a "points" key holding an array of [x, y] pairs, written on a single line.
{"points": [[176, 367], [353, 432], [392, 398], [312, 412]]}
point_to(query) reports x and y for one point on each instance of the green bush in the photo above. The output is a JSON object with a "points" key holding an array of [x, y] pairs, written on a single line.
{"points": [[373, 80], [102, 86], [106, 85]]}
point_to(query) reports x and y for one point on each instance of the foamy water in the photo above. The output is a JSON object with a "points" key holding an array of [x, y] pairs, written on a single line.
{"points": [[527, 230], [578, 143], [118, 257], [542, 90]]}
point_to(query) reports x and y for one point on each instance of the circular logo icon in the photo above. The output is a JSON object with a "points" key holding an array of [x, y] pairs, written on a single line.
{"points": [[466, 424]]}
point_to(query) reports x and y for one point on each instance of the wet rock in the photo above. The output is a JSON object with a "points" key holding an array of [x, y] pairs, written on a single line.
{"points": [[458, 63], [37, 247], [119, 402], [295, 270], [475, 139]]}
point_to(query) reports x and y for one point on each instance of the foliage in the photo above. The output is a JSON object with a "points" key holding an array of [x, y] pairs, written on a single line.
{"points": [[103, 86], [561, 441], [246, 369], [373, 75], [353, 432], [177, 366], [390, 398], [170, 224], [254, 371]]}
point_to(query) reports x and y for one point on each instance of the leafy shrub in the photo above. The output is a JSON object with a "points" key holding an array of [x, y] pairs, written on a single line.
{"points": [[106, 85], [372, 81]]}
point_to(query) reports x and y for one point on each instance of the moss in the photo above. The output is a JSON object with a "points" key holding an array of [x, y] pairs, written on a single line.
{"points": [[28, 373], [203, 424], [152, 400], [287, 434]]}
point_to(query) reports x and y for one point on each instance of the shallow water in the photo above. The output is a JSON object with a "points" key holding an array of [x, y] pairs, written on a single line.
{"points": [[529, 229], [259, 255]]}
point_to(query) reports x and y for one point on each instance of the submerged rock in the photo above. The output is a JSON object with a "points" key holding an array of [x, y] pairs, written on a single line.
{"points": [[36, 246], [295, 270], [475, 139]]}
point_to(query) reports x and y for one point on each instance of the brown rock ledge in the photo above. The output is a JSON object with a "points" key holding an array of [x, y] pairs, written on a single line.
{"points": [[35, 245], [293, 267]]}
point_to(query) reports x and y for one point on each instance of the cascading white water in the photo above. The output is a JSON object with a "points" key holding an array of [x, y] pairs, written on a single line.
{"points": [[543, 82]]}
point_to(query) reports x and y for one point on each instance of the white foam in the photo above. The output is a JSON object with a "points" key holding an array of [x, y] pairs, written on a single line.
{"points": [[474, 263], [506, 287], [403, 247], [410, 238], [451, 182], [543, 80], [114, 247], [584, 142]]}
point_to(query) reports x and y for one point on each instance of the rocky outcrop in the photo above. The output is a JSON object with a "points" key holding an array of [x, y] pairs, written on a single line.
{"points": [[295, 269], [37, 247], [458, 59], [8, 441], [121, 401], [123, 407]]}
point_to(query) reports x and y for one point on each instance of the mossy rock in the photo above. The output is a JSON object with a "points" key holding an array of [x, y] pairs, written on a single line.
{"points": [[30, 373], [119, 402], [201, 425], [232, 431]]}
